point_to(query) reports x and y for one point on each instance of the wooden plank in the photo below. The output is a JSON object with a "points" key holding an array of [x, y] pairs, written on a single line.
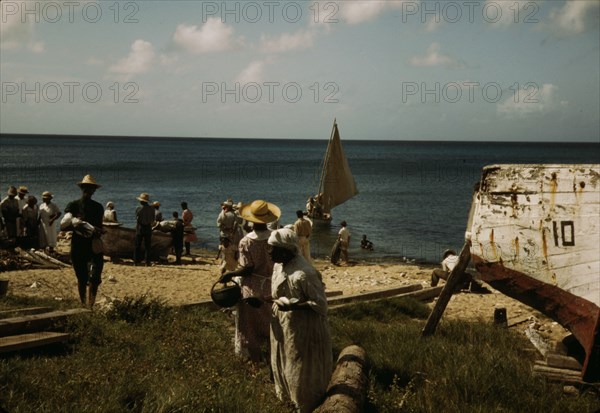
{"points": [[37, 322], [542, 368], [422, 295], [518, 320], [454, 279], [374, 294], [563, 362], [25, 341], [24, 311]]}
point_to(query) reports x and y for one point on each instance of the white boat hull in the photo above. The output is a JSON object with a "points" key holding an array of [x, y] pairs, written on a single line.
{"points": [[535, 233]]}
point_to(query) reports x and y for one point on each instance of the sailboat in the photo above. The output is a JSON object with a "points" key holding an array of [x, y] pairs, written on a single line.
{"points": [[336, 185]]}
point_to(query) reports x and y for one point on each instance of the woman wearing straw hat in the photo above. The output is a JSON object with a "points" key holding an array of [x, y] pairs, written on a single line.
{"points": [[256, 269], [84, 212], [49, 213]]}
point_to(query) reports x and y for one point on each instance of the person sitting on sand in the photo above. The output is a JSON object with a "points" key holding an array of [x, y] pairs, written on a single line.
{"points": [[449, 261]]}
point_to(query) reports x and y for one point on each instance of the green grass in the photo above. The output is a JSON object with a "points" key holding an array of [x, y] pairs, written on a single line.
{"points": [[145, 357]]}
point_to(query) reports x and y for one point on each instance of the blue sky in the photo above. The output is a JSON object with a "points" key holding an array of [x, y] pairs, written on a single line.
{"points": [[392, 70]]}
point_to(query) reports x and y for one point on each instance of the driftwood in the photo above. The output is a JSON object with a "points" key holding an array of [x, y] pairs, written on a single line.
{"points": [[347, 389], [33, 258], [50, 259], [456, 277]]}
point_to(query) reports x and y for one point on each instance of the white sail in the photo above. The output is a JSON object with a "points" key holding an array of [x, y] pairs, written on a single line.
{"points": [[337, 183]]}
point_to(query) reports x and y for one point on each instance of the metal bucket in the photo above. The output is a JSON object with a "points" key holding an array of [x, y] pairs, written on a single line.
{"points": [[227, 296]]}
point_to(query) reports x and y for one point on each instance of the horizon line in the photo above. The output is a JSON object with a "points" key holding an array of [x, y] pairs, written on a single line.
{"points": [[53, 135]]}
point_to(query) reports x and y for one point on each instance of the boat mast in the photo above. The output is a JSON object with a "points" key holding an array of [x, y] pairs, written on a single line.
{"points": [[326, 159]]}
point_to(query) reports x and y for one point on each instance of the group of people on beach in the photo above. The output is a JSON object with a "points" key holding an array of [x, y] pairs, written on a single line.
{"points": [[27, 224]]}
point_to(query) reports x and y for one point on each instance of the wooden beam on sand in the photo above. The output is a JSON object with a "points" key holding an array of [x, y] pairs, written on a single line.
{"points": [[454, 279], [30, 340], [373, 295], [37, 322], [347, 390]]}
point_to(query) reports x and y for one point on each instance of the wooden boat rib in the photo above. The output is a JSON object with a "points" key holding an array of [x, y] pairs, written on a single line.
{"points": [[336, 184], [119, 242], [535, 233]]}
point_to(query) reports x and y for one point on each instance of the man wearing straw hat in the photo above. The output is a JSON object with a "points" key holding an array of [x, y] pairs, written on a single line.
{"points": [[255, 269], [145, 218], [80, 215], [49, 213], [10, 212]]}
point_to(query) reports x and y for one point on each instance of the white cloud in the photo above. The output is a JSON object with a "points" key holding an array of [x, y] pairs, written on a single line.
{"points": [[14, 32], [213, 36], [140, 59], [502, 13], [435, 58], [356, 12], [574, 17], [286, 42], [252, 73], [531, 100]]}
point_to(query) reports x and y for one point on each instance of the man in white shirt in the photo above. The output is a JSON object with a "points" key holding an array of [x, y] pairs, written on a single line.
{"points": [[449, 261], [344, 238]]}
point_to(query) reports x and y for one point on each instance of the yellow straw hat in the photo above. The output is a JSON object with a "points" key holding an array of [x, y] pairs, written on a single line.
{"points": [[260, 212], [88, 180], [144, 197]]}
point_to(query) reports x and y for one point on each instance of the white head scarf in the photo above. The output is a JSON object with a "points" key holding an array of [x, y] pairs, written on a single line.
{"points": [[284, 238]]}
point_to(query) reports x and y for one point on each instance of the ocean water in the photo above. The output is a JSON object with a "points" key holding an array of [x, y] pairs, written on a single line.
{"points": [[414, 197]]}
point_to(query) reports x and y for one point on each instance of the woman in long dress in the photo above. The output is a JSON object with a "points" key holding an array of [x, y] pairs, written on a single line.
{"points": [[188, 229], [49, 213], [255, 269], [301, 356]]}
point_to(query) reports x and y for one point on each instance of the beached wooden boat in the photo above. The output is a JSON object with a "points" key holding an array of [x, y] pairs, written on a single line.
{"points": [[336, 184], [119, 242], [535, 233]]}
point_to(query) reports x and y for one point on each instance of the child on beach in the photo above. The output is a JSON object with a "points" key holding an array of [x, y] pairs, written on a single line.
{"points": [[365, 244]]}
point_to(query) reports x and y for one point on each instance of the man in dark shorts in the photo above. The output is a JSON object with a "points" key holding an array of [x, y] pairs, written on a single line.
{"points": [[86, 222]]}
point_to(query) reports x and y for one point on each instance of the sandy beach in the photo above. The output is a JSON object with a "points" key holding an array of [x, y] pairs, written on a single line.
{"points": [[191, 283]]}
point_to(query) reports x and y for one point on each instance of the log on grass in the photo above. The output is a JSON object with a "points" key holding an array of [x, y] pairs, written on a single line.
{"points": [[347, 389]]}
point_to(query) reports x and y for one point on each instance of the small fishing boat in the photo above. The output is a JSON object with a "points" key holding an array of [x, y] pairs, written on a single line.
{"points": [[336, 184], [119, 242], [535, 236]]}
